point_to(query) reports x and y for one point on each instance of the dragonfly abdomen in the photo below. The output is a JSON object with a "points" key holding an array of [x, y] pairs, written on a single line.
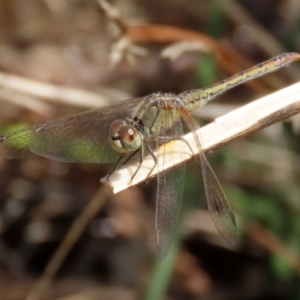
{"points": [[193, 99]]}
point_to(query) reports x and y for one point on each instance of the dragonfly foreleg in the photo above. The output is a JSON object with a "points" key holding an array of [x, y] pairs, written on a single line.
{"points": [[115, 166], [123, 163], [141, 160]]}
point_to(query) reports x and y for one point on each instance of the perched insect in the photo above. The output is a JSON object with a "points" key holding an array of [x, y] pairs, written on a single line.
{"points": [[134, 128]]}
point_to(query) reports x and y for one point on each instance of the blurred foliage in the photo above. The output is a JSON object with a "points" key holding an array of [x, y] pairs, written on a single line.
{"points": [[206, 72], [68, 43]]}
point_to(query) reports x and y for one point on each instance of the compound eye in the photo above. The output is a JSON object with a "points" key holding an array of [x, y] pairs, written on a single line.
{"points": [[130, 138], [115, 127], [124, 138]]}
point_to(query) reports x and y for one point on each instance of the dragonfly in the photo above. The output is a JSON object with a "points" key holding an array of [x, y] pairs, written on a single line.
{"points": [[134, 128]]}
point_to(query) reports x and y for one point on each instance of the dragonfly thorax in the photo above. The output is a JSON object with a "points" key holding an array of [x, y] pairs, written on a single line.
{"points": [[123, 137], [156, 113]]}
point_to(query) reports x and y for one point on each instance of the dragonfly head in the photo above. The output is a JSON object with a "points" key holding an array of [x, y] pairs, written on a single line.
{"points": [[123, 137]]}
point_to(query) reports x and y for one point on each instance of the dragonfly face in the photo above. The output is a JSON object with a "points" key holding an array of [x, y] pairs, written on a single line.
{"points": [[124, 138]]}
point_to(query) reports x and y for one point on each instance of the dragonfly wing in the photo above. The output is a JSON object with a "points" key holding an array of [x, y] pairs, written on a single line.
{"points": [[81, 137], [169, 196], [218, 205]]}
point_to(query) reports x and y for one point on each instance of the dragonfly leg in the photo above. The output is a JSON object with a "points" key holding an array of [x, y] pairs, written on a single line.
{"points": [[141, 160], [154, 158], [129, 157], [115, 166], [186, 142], [183, 140], [123, 163]]}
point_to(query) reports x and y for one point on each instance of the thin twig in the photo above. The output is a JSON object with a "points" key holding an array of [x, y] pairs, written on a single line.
{"points": [[67, 244], [52, 92], [263, 38], [243, 121], [25, 101], [229, 59]]}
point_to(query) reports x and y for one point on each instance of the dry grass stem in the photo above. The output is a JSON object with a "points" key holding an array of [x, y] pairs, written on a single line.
{"points": [[243, 121], [52, 92], [68, 243]]}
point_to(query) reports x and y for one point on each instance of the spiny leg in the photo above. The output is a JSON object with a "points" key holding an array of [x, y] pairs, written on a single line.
{"points": [[141, 160], [115, 166], [154, 158], [123, 163]]}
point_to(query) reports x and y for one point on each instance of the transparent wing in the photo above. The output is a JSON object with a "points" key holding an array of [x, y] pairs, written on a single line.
{"points": [[169, 194], [81, 137], [218, 205]]}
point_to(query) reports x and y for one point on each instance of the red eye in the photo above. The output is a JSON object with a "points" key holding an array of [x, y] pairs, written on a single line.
{"points": [[115, 127], [127, 134], [124, 138], [130, 134]]}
